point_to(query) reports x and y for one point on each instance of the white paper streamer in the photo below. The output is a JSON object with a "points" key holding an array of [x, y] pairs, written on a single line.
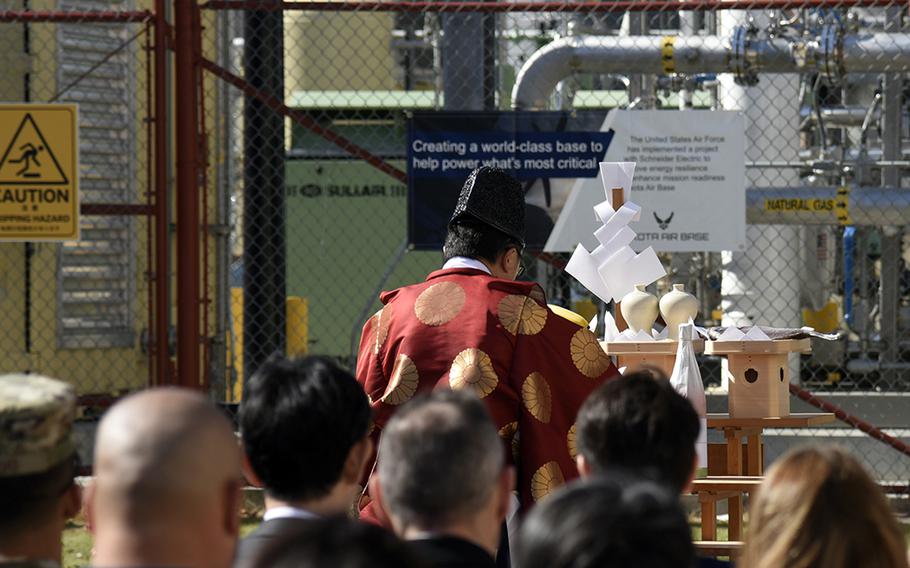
{"points": [[617, 174], [583, 268]]}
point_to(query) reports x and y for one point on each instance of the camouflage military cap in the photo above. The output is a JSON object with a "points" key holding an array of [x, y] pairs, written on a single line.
{"points": [[36, 419]]}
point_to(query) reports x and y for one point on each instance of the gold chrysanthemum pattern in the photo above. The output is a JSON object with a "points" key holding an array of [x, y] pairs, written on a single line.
{"points": [[535, 394], [381, 320], [404, 382], [522, 315], [439, 304], [473, 368], [587, 354], [507, 431], [546, 479], [571, 442]]}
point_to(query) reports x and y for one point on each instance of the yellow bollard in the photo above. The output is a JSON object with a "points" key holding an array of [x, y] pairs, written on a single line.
{"points": [[297, 326]]}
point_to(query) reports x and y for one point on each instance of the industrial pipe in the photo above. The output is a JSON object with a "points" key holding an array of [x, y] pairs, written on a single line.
{"points": [[743, 54], [835, 116], [876, 53], [828, 205], [867, 366], [559, 59]]}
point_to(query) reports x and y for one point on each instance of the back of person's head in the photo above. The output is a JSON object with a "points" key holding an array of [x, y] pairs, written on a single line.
{"points": [[441, 461], [37, 466], [166, 489], [606, 523], [473, 238], [299, 420], [817, 508], [337, 542], [639, 423]]}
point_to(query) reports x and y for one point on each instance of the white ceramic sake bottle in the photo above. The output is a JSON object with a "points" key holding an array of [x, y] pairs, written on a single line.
{"points": [[678, 307], [639, 309], [686, 379]]}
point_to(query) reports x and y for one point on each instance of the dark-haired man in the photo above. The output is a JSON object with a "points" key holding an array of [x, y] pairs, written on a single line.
{"points": [[608, 523], [639, 424], [37, 467], [472, 325], [304, 425], [637, 427]]}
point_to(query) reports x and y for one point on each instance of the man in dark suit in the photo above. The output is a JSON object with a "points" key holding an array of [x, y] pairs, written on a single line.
{"points": [[304, 426], [442, 479], [639, 426]]}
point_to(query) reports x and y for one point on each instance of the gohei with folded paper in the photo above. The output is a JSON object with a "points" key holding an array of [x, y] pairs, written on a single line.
{"points": [[613, 269]]}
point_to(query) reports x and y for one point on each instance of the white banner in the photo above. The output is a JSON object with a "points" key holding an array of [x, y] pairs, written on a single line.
{"points": [[689, 181]]}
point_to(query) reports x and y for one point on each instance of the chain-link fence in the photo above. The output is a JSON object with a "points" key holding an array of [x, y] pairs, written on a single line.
{"points": [[78, 309], [307, 110]]}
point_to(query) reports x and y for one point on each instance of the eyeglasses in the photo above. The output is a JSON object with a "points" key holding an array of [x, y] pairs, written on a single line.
{"points": [[521, 264]]}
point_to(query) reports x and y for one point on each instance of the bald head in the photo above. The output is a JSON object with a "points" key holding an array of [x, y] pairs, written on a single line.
{"points": [[166, 460]]}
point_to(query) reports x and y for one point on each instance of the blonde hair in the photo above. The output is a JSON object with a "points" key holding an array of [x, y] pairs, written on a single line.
{"points": [[819, 508]]}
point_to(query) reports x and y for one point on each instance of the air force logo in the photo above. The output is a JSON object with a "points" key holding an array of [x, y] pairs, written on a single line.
{"points": [[663, 223]]}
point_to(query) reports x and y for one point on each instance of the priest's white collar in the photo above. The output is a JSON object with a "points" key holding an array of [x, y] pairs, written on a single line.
{"points": [[465, 262]]}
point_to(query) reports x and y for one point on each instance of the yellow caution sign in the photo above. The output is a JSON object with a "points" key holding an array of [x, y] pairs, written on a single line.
{"points": [[667, 57], [842, 206], [39, 172], [798, 205]]}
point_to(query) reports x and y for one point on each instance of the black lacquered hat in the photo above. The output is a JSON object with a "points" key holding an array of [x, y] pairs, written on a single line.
{"points": [[495, 198]]}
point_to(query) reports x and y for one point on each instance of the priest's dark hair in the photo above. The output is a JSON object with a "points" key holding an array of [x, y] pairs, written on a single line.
{"points": [[639, 423], [607, 523], [299, 420], [475, 239]]}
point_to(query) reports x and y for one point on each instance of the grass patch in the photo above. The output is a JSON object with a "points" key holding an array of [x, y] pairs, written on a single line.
{"points": [[77, 544], [77, 541], [696, 530]]}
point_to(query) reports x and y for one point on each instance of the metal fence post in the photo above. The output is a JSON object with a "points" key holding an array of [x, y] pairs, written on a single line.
{"points": [[263, 198], [188, 236], [162, 374], [892, 113]]}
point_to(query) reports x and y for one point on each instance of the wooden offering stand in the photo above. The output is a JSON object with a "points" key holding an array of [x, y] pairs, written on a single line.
{"points": [[631, 354], [659, 354], [759, 397], [726, 480], [759, 375]]}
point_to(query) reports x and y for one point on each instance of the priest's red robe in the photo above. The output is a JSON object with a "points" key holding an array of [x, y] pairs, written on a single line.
{"points": [[463, 328]]}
